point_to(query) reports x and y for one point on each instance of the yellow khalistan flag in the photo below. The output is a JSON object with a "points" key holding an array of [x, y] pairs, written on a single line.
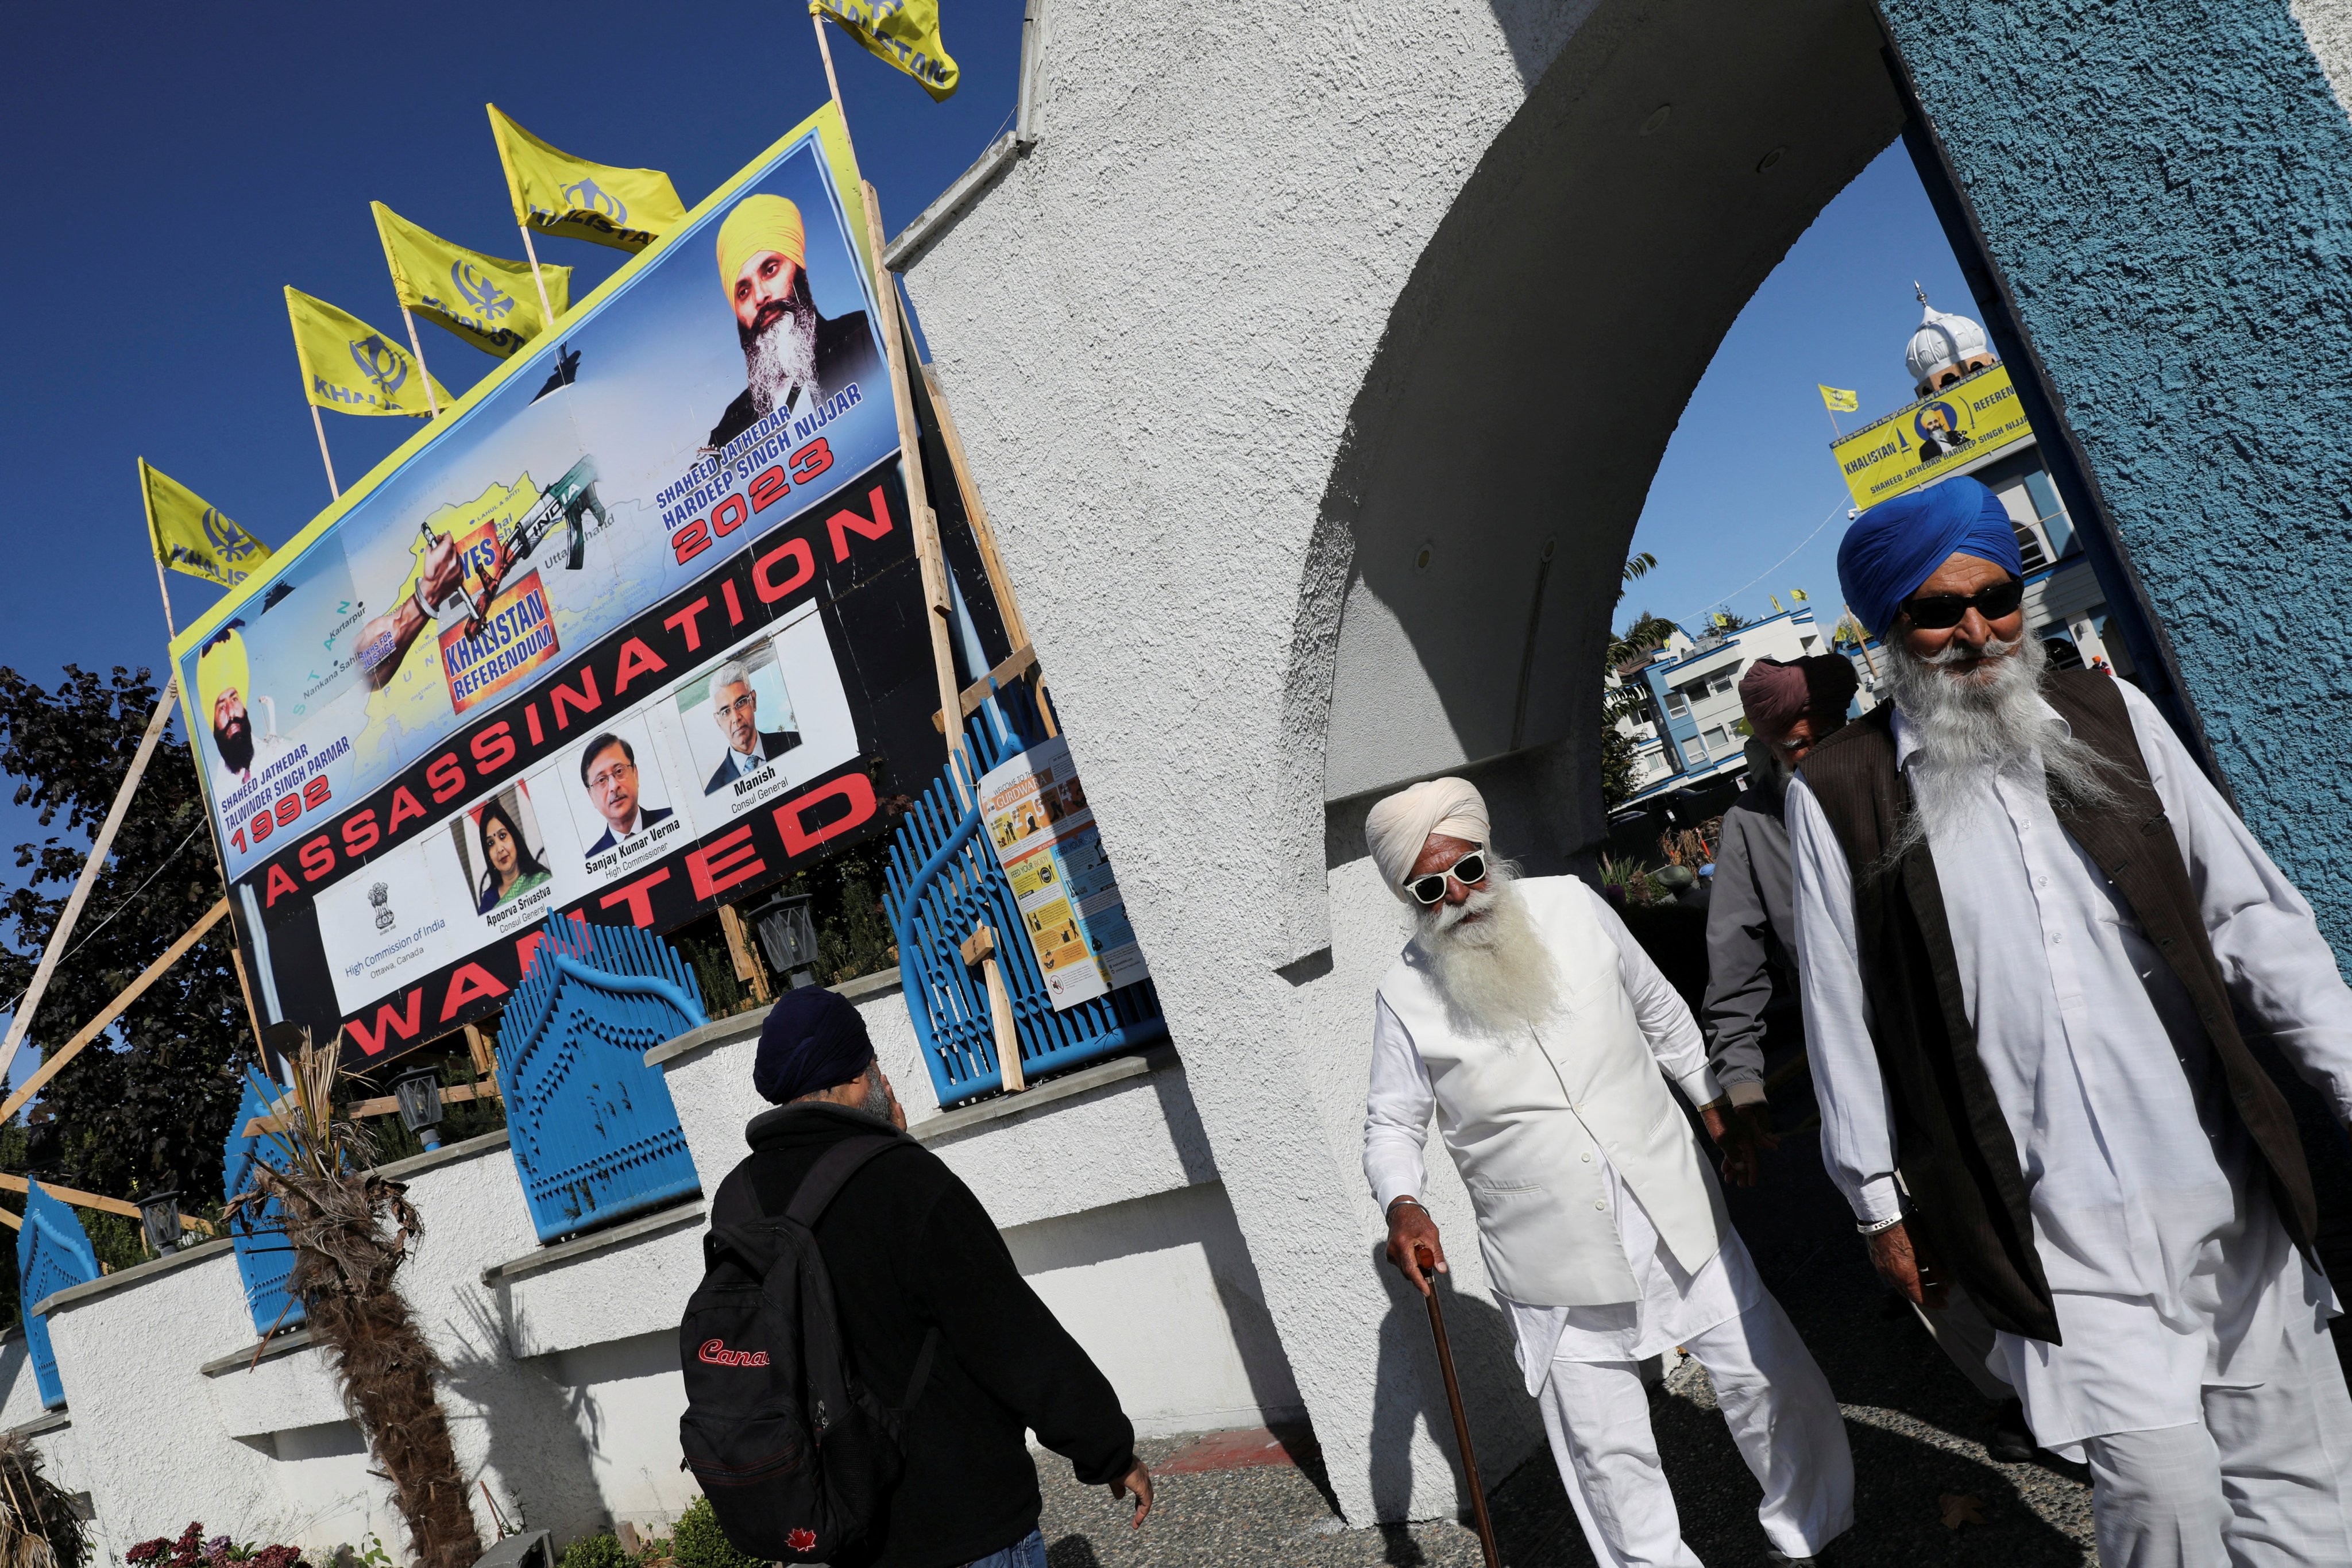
{"points": [[906, 32], [1840, 401], [556, 193], [192, 537], [350, 366], [490, 303]]}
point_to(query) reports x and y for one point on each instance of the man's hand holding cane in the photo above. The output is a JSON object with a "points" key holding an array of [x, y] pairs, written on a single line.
{"points": [[1411, 1229]]}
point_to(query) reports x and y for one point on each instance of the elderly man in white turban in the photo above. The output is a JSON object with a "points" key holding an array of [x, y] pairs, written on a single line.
{"points": [[1525, 1014]]}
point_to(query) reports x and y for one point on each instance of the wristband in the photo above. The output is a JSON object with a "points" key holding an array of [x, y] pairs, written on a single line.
{"points": [[1877, 1226], [1415, 1201]]}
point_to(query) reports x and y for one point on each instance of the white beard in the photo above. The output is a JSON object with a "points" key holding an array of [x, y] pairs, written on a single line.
{"points": [[781, 358], [1971, 729], [1493, 972]]}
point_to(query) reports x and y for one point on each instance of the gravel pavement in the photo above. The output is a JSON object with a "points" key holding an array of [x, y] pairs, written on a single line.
{"points": [[1916, 1426]]}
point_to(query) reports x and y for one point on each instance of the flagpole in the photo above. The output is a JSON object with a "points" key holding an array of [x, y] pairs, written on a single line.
{"points": [[320, 425], [832, 85], [546, 311], [430, 401]]}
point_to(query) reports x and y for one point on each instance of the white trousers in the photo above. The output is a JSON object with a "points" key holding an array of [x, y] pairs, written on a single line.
{"points": [[2264, 1480], [1780, 1412]]}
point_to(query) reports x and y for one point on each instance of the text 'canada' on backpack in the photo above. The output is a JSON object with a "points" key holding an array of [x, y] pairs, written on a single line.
{"points": [[797, 1458]]}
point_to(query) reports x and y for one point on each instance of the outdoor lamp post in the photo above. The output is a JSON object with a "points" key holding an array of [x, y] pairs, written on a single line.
{"points": [[419, 1093], [159, 1216], [788, 937]]}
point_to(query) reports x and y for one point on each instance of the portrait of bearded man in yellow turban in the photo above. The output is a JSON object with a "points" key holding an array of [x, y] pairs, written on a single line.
{"points": [[793, 357]]}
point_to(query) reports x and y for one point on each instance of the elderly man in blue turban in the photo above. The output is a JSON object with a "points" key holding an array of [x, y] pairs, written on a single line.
{"points": [[2035, 942]]}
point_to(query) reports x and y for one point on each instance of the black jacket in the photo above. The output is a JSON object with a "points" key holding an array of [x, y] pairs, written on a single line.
{"points": [[1751, 931], [845, 353], [909, 1247], [1952, 1144], [773, 743]]}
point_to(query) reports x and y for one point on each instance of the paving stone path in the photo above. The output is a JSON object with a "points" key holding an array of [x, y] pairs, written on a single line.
{"points": [[1916, 1426]]}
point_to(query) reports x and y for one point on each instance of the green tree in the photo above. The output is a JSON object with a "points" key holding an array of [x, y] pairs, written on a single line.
{"points": [[149, 1105], [1629, 700]]}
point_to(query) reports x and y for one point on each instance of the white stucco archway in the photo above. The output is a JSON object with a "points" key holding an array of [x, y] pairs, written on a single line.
{"points": [[1266, 311]]}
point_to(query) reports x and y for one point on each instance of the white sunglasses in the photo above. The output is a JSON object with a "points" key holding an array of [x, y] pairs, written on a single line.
{"points": [[1470, 870]]}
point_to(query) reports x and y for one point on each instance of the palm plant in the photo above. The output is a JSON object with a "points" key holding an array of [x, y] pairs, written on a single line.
{"points": [[38, 1527], [350, 1229]]}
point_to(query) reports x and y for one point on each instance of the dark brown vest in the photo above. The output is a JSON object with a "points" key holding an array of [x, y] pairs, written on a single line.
{"points": [[1952, 1144]]}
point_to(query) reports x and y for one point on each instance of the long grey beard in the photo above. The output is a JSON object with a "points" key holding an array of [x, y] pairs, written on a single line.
{"points": [[781, 358], [1493, 972], [1971, 730]]}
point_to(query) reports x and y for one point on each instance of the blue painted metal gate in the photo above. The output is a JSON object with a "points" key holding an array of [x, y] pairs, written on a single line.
{"points": [[53, 1251], [592, 1129], [944, 882], [264, 1260]]}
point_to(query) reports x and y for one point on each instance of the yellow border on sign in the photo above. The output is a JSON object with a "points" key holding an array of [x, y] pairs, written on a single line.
{"points": [[831, 138]]}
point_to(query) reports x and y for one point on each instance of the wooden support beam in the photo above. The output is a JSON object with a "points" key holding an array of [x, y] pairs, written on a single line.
{"points": [[485, 1061], [1018, 663], [748, 967], [361, 1109], [975, 512], [89, 1201], [56, 1060], [30, 1002]]}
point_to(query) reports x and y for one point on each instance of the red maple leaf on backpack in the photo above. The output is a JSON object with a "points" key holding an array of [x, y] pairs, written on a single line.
{"points": [[801, 1540]]}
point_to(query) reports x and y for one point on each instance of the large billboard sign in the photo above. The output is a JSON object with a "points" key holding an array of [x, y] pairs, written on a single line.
{"points": [[633, 629], [1937, 436]]}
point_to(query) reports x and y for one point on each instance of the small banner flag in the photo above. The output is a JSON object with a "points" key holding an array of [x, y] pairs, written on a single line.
{"points": [[490, 303], [350, 366], [1841, 401], [903, 33], [191, 536], [556, 193]]}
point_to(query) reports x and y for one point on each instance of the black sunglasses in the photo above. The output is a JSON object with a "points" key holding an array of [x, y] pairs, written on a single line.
{"points": [[1934, 612], [1470, 870]]}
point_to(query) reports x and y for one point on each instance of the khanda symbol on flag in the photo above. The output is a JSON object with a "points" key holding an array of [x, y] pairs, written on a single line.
{"points": [[349, 366], [191, 535], [1839, 400], [488, 301], [904, 33], [556, 193]]}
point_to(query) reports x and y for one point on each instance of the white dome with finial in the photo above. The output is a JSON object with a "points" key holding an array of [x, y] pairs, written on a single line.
{"points": [[1945, 348]]}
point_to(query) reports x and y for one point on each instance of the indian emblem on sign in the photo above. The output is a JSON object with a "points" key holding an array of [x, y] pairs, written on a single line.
{"points": [[381, 897]]}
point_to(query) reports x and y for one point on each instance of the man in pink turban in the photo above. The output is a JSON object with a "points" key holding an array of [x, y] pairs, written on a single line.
{"points": [[1526, 1018]]}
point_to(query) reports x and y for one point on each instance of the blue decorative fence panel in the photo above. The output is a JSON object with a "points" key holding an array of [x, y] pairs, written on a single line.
{"points": [[53, 1251], [264, 1260], [592, 1129], [945, 881]]}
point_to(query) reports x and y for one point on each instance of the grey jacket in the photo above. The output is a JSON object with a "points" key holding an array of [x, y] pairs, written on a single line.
{"points": [[1751, 931]]}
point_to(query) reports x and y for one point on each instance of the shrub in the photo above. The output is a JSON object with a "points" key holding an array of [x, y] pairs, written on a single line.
{"points": [[192, 1551], [595, 1551], [697, 1541]]}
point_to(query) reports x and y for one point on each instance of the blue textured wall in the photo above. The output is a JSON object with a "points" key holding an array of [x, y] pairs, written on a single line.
{"points": [[2168, 188]]}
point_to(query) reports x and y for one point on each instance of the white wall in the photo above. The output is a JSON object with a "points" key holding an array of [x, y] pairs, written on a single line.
{"points": [[562, 1387]]}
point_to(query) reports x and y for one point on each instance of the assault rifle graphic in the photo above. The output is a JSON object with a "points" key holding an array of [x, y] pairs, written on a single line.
{"points": [[569, 499]]}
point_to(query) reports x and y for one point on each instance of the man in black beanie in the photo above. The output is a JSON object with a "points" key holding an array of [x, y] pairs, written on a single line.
{"points": [[910, 1250]]}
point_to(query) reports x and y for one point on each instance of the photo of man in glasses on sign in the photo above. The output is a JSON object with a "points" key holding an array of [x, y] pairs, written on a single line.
{"points": [[609, 772]]}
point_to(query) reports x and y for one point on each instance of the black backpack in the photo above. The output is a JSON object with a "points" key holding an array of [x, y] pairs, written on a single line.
{"points": [[797, 1458]]}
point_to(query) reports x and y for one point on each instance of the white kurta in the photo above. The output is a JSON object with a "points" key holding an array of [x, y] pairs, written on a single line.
{"points": [[1672, 1306], [2160, 1250]]}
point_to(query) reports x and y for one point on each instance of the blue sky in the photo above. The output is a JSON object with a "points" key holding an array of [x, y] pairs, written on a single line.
{"points": [[1748, 475]]}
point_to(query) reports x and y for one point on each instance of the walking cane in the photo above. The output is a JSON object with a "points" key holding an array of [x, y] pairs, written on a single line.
{"points": [[1428, 1260]]}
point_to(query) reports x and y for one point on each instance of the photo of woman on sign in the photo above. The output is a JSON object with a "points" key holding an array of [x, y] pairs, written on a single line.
{"points": [[512, 869]]}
